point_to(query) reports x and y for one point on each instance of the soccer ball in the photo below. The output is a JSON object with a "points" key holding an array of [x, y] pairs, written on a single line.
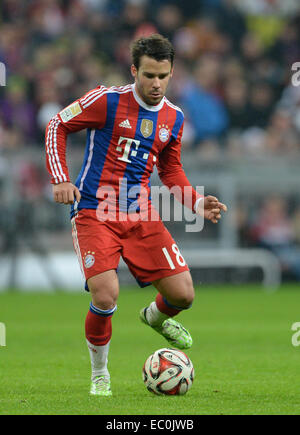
{"points": [[168, 371]]}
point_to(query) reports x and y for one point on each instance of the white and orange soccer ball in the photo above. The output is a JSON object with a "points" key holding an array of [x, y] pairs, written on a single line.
{"points": [[168, 371]]}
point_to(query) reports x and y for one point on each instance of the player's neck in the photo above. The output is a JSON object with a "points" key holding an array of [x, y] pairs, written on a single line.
{"points": [[141, 102]]}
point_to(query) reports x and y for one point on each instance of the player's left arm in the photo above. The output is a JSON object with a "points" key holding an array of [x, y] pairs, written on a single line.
{"points": [[211, 208], [171, 173]]}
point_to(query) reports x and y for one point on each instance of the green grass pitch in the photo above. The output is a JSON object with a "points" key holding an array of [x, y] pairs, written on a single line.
{"points": [[243, 355]]}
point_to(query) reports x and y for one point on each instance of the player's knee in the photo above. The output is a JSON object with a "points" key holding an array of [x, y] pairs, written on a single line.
{"points": [[186, 300], [187, 293], [104, 291], [104, 303], [103, 298]]}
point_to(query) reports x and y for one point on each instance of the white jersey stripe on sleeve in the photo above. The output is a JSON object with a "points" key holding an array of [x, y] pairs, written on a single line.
{"points": [[58, 173], [93, 98], [95, 92], [58, 176], [85, 99], [56, 153], [53, 166], [107, 91], [48, 153], [173, 105]]}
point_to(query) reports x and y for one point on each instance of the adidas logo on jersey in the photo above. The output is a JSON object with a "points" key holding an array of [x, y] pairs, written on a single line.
{"points": [[125, 124]]}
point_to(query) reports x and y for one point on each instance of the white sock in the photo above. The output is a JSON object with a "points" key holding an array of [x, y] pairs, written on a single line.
{"points": [[154, 316], [99, 359]]}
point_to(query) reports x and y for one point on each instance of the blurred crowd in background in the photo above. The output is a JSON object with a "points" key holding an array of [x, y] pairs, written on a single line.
{"points": [[232, 74], [232, 79]]}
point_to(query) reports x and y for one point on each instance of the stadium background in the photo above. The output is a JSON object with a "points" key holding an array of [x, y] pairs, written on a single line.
{"points": [[242, 132]]}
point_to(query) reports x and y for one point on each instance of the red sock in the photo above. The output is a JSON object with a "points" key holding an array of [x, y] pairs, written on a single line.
{"points": [[164, 307], [97, 329]]}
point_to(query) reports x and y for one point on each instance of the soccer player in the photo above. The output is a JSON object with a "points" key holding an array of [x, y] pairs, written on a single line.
{"points": [[129, 130]]}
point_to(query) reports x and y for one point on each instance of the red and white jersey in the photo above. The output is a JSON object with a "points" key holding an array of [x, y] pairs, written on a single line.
{"points": [[125, 139]]}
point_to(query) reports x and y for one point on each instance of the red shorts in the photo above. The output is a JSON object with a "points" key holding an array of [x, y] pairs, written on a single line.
{"points": [[146, 247]]}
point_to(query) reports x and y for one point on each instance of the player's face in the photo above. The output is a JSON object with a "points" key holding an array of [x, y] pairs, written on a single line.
{"points": [[152, 79]]}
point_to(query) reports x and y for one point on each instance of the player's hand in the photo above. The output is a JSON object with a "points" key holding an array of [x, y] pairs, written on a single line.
{"points": [[210, 207], [66, 193]]}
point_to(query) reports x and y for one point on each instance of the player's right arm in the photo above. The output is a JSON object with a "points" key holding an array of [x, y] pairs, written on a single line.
{"points": [[90, 111], [66, 193]]}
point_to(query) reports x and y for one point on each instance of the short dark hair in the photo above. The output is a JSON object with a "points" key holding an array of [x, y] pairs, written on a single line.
{"points": [[156, 46]]}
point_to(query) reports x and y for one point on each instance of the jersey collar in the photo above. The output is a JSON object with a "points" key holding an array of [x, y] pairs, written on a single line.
{"points": [[145, 105]]}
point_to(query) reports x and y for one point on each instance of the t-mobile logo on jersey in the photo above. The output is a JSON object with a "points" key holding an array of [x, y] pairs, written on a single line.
{"points": [[296, 75], [2, 334], [127, 149], [2, 74]]}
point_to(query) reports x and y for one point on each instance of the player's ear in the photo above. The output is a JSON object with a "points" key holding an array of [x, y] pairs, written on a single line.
{"points": [[133, 71], [171, 73]]}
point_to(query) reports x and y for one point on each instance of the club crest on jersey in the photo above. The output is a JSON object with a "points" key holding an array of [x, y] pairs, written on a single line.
{"points": [[89, 259], [164, 133], [146, 127]]}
